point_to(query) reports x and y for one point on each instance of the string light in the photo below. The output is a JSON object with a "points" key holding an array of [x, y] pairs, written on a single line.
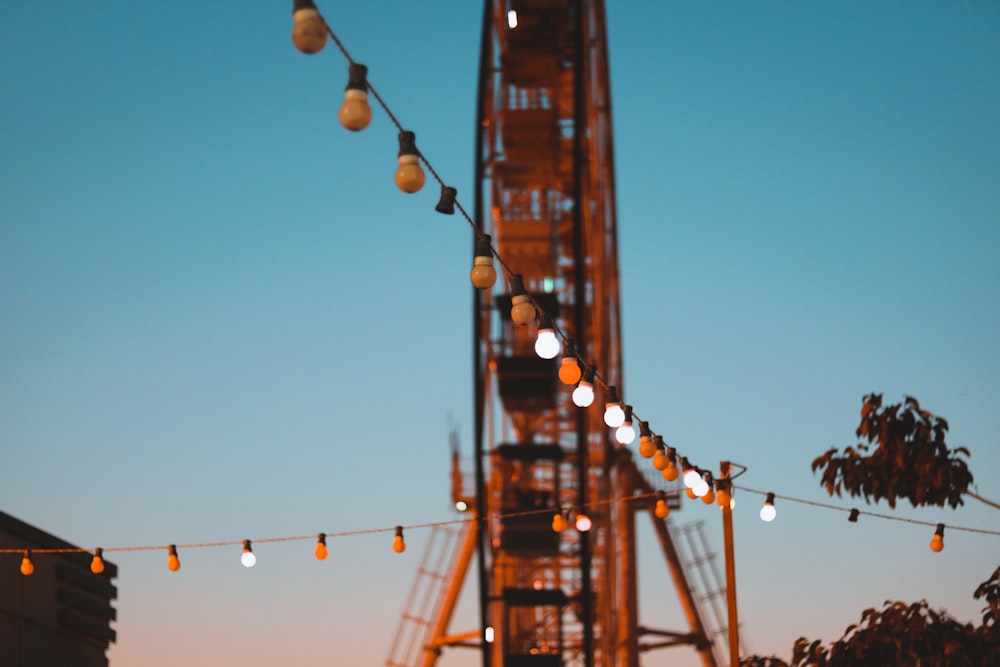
{"points": [[409, 176], [546, 344], [709, 496], [937, 542], [625, 434], [662, 509], [522, 310], [558, 522], [355, 114], [583, 523], [691, 475], [27, 567], [853, 517], [583, 395], [646, 445], [723, 495], [173, 562], [483, 274], [569, 367], [321, 551], [670, 473], [614, 415], [660, 460], [247, 558], [446, 203], [97, 562], [767, 512], [700, 487], [398, 545], [309, 29]]}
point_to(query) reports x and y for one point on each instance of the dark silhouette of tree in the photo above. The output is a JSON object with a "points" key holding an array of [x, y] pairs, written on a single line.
{"points": [[902, 455]]}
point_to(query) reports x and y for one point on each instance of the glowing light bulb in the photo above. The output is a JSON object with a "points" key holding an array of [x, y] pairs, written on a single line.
{"points": [[937, 542], [398, 545], [614, 414], [691, 474], [625, 434], [97, 562], [321, 551], [569, 368], [558, 522], [547, 344], [700, 487], [173, 562], [583, 523], [309, 29], [409, 176], [662, 509], [646, 445], [247, 558], [583, 395], [511, 18], [488, 634], [27, 567], [355, 114], [461, 506], [522, 310], [767, 512], [483, 274]]}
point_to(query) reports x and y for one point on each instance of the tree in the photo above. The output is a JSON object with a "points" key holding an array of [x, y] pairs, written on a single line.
{"points": [[902, 455]]}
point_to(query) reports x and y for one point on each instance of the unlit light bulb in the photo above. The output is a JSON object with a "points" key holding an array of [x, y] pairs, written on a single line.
{"points": [[646, 445], [767, 512], [355, 114], [247, 558], [27, 567], [522, 310], [558, 522], [398, 545], [483, 275], [409, 175], [309, 30]]}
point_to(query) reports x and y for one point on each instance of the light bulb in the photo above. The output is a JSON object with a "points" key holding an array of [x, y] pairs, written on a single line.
{"points": [[670, 473], [937, 542], [691, 474], [646, 445], [27, 567], [511, 18], [723, 497], [583, 523], [660, 458], [173, 562], [522, 310], [569, 368], [690, 493], [767, 512], [614, 414], [321, 551], [309, 29], [662, 509], [709, 496], [97, 562], [483, 274], [247, 558], [700, 488], [409, 176], [558, 522], [398, 545], [625, 434], [355, 114], [583, 395], [547, 344]]}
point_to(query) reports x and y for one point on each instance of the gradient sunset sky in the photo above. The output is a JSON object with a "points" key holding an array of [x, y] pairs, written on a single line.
{"points": [[220, 319]]}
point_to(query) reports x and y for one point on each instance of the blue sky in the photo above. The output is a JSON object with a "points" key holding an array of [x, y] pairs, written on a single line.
{"points": [[221, 320]]}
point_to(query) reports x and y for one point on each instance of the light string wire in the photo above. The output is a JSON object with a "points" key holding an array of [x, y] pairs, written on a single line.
{"points": [[490, 517], [509, 272]]}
